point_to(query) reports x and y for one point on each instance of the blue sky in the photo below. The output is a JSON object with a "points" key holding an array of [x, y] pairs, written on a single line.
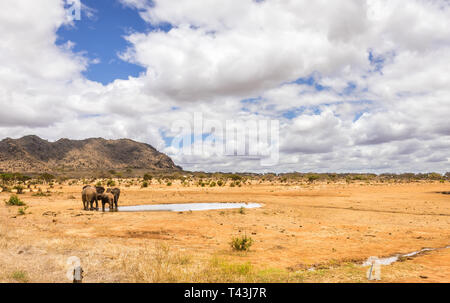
{"points": [[101, 37], [355, 91]]}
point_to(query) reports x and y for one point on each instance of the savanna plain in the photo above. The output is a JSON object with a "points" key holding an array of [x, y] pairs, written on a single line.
{"points": [[304, 232]]}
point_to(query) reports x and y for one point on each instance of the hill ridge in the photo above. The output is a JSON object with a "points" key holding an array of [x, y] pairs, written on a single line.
{"points": [[33, 154]]}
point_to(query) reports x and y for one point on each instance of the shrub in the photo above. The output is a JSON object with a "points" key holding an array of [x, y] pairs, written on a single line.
{"points": [[22, 211], [169, 184], [47, 177], [220, 183], [42, 194], [235, 177], [20, 276], [145, 184], [148, 177], [242, 243], [14, 201], [312, 178], [212, 184], [111, 183], [242, 210], [99, 183], [19, 189]]}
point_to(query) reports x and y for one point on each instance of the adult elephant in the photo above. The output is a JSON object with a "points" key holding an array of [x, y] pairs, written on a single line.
{"points": [[91, 194], [116, 193], [108, 198]]}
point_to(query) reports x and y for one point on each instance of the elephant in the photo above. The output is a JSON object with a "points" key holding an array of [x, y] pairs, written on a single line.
{"points": [[116, 193], [89, 195], [108, 198]]}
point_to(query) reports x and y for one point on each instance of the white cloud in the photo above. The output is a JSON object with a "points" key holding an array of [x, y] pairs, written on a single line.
{"points": [[388, 115]]}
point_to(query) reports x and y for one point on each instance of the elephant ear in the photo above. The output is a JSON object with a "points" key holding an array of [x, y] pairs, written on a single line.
{"points": [[108, 190], [100, 189]]}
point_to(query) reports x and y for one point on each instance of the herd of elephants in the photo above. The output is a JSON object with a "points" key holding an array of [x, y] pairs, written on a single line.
{"points": [[91, 194]]}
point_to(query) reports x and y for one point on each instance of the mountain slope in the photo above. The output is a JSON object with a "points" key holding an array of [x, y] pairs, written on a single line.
{"points": [[33, 154]]}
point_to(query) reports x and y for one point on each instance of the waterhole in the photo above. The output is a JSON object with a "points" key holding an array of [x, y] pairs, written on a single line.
{"points": [[186, 207]]}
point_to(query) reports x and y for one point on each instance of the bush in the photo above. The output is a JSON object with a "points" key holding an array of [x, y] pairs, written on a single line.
{"points": [[47, 177], [242, 210], [22, 211], [212, 184], [111, 183], [242, 243], [19, 189], [20, 276], [145, 184], [148, 177], [220, 183], [41, 194], [169, 184], [14, 201]]}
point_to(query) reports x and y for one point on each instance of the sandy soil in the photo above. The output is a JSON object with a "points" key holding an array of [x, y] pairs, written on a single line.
{"points": [[333, 227]]}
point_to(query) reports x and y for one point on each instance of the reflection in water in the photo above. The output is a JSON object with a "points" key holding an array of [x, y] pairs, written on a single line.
{"points": [[186, 207]]}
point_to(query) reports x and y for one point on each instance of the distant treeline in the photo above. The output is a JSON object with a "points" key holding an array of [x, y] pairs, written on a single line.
{"points": [[186, 175]]}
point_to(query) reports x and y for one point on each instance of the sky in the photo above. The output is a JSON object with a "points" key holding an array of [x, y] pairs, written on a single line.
{"points": [[354, 85]]}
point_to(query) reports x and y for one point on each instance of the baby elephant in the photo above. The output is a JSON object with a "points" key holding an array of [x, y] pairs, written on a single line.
{"points": [[116, 193], [108, 198]]}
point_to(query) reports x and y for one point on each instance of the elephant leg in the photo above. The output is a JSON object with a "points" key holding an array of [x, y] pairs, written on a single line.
{"points": [[103, 206], [96, 204]]}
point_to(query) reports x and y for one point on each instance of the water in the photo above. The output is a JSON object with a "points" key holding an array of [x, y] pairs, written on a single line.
{"points": [[393, 259], [187, 207]]}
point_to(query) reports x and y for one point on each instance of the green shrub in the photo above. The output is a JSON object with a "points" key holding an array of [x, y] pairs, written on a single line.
{"points": [[212, 184], [20, 276], [41, 194], [169, 184], [148, 177], [110, 183], [220, 183], [14, 201], [242, 210], [19, 189], [242, 243], [145, 184], [22, 211]]}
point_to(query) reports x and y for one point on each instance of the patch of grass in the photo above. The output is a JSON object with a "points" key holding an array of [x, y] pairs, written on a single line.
{"points": [[41, 194], [169, 184], [14, 201], [242, 243], [22, 211], [20, 276], [242, 210]]}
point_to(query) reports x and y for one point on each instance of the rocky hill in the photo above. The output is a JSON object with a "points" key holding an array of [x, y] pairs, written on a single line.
{"points": [[33, 154]]}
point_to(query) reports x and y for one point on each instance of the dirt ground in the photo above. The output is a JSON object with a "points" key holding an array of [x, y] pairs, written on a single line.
{"points": [[332, 228]]}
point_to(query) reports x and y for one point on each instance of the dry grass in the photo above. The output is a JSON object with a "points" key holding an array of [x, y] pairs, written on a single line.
{"points": [[329, 226]]}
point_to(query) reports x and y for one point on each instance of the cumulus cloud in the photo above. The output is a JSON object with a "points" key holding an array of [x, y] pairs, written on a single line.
{"points": [[356, 85]]}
